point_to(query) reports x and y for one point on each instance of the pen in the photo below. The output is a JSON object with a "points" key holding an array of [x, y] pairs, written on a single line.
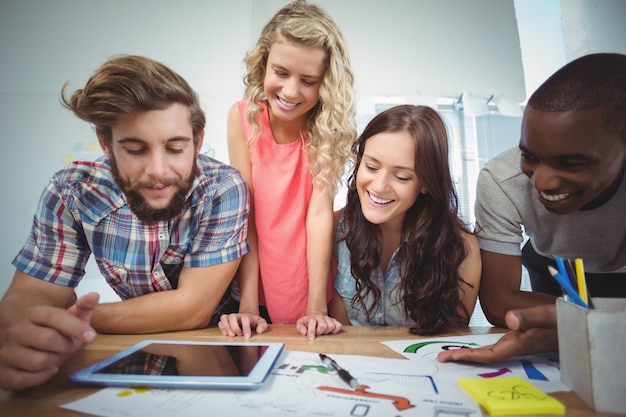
{"points": [[343, 374], [567, 287]]}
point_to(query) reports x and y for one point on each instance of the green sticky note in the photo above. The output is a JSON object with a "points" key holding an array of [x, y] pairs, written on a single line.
{"points": [[510, 395]]}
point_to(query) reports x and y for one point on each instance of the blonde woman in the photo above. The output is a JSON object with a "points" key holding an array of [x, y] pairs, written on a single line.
{"points": [[290, 137]]}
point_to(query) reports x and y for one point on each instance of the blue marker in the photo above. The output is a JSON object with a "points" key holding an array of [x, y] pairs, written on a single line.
{"points": [[560, 263], [567, 287]]}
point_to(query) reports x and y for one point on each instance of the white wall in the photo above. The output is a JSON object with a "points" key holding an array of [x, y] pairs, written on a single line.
{"points": [[413, 47], [554, 32], [593, 26], [541, 39]]}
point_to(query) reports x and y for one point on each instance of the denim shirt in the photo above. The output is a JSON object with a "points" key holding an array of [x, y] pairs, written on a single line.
{"points": [[390, 310]]}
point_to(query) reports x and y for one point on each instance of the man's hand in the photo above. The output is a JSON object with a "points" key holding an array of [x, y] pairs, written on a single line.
{"points": [[533, 330], [241, 324], [36, 347], [313, 325]]}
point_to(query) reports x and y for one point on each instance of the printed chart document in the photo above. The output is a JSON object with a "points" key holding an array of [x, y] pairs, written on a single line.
{"points": [[301, 385], [542, 372]]}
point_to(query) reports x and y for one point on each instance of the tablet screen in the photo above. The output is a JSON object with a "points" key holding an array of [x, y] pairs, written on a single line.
{"points": [[188, 360], [184, 364]]}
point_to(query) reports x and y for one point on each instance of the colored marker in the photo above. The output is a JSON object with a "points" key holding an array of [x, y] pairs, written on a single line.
{"points": [[580, 275], [560, 263], [562, 267], [567, 287], [571, 274]]}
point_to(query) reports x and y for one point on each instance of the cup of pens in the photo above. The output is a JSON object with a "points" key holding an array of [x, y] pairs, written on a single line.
{"points": [[592, 344]]}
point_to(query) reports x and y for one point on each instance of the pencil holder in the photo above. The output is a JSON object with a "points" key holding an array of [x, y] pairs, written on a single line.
{"points": [[592, 346]]}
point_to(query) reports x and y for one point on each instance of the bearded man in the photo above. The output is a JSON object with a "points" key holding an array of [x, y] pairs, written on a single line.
{"points": [[167, 226]]}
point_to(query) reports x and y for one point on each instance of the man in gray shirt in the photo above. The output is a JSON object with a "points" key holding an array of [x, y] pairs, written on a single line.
{"points": [[564, 188]]}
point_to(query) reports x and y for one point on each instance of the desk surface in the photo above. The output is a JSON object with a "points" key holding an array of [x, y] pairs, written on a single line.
{"points": [[47, 398]]}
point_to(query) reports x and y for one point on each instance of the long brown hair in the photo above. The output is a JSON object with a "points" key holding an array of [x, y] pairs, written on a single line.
{"points": [[432, 246]]}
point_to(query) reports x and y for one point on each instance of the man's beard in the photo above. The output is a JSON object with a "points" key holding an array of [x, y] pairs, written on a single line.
{"points": [[138, 204]]}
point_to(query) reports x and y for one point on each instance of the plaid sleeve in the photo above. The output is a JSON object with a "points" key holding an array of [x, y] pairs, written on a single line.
{"points": [[56, 249], [223, 229]]}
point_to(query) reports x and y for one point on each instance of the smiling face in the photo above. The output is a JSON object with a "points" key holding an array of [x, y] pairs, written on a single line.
{"points": [[292, 82], [152, 159], [570, 159], [386, 180]]}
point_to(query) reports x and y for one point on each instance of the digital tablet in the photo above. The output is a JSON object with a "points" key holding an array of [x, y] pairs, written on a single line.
{"points": [[184, 364]]}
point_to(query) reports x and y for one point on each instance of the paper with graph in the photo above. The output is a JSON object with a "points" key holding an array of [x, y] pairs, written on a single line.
{"points": [[301, 385], [543, 372]]}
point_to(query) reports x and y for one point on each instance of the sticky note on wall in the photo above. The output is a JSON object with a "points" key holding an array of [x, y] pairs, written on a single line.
{"points": [[83, 151], [510, 396]]}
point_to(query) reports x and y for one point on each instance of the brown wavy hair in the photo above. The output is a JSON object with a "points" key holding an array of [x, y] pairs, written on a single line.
{"points": [[432, 244], [126, 85]]}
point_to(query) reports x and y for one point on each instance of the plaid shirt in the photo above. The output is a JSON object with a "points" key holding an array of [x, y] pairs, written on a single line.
{"points": [[83, 211]]}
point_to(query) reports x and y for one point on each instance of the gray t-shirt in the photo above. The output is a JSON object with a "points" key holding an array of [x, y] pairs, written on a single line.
{"points": [[507, 205]]}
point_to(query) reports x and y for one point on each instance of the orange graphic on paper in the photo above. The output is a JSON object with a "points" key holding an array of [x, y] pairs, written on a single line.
{"points": [[400, 403]]}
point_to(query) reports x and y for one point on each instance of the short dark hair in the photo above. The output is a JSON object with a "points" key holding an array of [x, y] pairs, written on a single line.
{"points": [[595, 81]]}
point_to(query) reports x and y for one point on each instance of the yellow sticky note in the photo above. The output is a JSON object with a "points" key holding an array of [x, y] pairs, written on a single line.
{"points": [[510, 395]]}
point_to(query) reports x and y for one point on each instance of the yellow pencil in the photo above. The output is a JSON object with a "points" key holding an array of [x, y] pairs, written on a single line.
{"points": [[580, 276]]}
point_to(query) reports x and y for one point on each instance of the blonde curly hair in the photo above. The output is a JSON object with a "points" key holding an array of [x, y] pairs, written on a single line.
{"points": [[331, 123]]}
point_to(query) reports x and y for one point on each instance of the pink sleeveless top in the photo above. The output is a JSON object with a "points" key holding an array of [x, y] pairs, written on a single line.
{"points": [[283, 185]]}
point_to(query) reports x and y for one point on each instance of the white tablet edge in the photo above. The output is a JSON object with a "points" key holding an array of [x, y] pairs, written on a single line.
{"points": [[89, 375]]}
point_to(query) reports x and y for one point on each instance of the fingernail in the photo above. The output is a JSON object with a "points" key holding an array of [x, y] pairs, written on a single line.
{"points": [[89, 335]]}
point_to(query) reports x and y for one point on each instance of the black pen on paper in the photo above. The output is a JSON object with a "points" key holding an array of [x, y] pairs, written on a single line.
{"points": [[343, 374]]}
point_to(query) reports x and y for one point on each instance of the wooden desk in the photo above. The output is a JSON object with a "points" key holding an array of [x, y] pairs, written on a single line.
{"points": [[46, 399]]}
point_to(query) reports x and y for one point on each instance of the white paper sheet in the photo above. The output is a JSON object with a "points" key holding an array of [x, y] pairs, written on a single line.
{"points": [[542, 372], [300, 386]]}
